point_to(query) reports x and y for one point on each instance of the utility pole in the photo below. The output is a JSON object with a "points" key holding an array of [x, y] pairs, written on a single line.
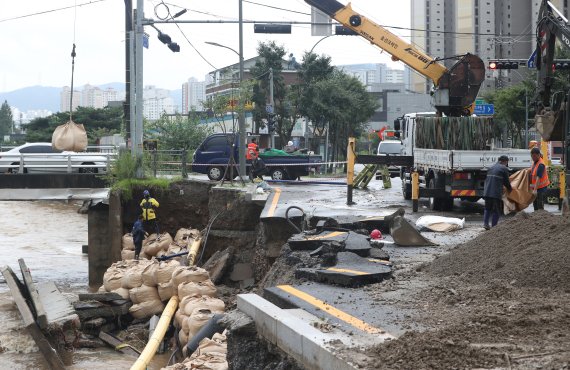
{"points": [[272, 103], [128, 36], [138, 134], [241, 116]]}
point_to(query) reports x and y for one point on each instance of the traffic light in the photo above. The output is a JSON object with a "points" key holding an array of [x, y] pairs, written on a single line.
{"points": [[271, 123], [561, 65], [271, 28], [165, 39], [503, 64]]}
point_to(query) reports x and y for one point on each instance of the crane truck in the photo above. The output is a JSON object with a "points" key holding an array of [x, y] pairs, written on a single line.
{"points": [[445, 172]]}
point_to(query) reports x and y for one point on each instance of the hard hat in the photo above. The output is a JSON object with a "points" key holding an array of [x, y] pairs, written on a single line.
{"points": [[146, 193], [375, 234], [290, 143]]}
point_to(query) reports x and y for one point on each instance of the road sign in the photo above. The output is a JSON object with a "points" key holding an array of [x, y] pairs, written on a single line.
{"points": [[484, 110], [480, 101], [145, 40], [531, 62], [269, 108]]}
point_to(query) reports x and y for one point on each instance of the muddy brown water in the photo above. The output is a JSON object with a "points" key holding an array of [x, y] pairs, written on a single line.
{"points": [[49, 236]]}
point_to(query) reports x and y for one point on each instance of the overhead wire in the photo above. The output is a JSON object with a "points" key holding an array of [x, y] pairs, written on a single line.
{"points": [[50, 11], [184, 35]]}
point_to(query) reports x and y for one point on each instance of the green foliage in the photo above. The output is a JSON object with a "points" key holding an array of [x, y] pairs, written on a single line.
{"points": [[341, 101], [6, 120], [176, 133], [510, 109], [97, 123], [125, 187]]}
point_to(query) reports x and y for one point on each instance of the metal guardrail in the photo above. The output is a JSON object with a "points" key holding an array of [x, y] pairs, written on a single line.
{"points": [[54, 161]]}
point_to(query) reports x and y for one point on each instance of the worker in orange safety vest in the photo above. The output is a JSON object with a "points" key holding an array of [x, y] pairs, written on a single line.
{"points": [[252, 150], [538, 178]]}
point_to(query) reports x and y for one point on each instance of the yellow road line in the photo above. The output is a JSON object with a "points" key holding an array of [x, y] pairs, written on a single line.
{"points": [[274, 202], [347, 270], [331, 235], [383, 262], [335, 312]]}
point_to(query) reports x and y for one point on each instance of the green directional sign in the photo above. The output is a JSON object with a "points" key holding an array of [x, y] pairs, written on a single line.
{"points": [[480, 102]]}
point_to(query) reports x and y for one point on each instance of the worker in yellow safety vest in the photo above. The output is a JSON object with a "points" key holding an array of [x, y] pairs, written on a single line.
{"points": [[538, 178], [149, 205]]}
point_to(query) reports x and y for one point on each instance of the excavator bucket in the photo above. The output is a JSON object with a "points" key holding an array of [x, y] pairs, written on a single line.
{"points": [[406, 235], [458, 87]]}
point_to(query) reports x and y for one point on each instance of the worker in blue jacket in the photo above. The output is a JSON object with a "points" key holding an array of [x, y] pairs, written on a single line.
{"points": [[497, 177], [138, 234]]}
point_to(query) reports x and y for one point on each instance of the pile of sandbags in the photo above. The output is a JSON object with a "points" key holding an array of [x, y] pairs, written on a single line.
{"points": [[148, 284], [210, 355], [160, 245]]}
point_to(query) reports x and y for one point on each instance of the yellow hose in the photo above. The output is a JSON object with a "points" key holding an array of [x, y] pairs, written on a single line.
{"points": [[193, 252], [146, 356], [150, 350]]}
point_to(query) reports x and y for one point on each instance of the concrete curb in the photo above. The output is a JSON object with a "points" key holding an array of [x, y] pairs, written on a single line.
{"points": [[297, 338]]}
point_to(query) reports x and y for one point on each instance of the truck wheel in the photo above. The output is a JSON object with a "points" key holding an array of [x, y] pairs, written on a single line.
{"points": [[279, 174], [435, 204], [406, 190], [215, 173]]}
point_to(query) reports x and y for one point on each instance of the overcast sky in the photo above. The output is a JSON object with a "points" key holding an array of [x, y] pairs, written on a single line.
{"points": [[37, 48]]}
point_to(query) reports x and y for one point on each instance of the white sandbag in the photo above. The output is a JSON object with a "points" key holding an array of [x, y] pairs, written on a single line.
{"points": [[200, 288], [166, 291], [183, 338], [113, 280], [175, 248], [184, 274], [146, 309], [127, 242], [165, 271], [152, 245], [149, 274], [127, 254], [124, 293], [179, 318], [197, 320], [438, 223], [133, 276], [214, 345], [70, 136], [207, 361], [186, 236], [144, 293], [189, 303]]}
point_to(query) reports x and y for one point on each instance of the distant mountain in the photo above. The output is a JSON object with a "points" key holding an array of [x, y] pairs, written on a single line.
{"points": [[44, 97], [34, 97]]}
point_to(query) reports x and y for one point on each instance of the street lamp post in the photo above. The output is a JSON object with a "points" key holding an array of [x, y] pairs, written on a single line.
{"points": [[241, 113]]}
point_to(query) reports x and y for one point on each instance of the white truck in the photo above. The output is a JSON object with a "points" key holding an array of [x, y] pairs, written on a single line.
{"points": [[448, 174]]}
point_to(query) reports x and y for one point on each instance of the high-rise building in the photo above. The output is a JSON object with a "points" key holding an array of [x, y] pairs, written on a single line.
{"points": [[373, 73], [65, 99], [92, 96], [157, 102], [488, 28], [193, 94]]}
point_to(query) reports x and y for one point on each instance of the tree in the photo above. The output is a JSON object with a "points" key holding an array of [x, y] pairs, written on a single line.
{"points": [[271, 57], [179, 132], [342, 102], [97, 123], [6, 120], [510, 110]]}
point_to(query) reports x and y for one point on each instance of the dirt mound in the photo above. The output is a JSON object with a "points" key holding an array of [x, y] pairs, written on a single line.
{"points": [[526, 250]]}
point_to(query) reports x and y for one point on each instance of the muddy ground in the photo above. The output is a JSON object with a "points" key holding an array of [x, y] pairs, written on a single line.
{"points": [[499, 301]]}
